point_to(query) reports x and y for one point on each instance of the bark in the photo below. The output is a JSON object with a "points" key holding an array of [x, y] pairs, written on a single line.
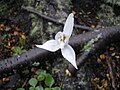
{"points": [[109, 35]]}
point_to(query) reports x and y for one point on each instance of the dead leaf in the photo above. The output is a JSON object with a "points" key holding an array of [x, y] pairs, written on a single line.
{"points": [[102, 56], [93, 26], [104, 83], [100, 87], [2, 25], [117, 57], [113, 54], [9, 44], [23, 36], [112, 48], [15, 33], [96, 80], [67, 72], [99, 60], [6, 79], [17, 29]]}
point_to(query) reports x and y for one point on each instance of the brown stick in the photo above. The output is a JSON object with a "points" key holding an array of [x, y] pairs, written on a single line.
{"points": [[108, 60], [54, 20], [25, 82]]}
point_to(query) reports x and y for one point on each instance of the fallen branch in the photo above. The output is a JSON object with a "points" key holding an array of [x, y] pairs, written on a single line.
{"points": [[109, 35], [54, 20], [111, 72]]}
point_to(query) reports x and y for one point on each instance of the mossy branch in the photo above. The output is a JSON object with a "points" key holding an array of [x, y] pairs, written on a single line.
{"points": [[109, 35]]}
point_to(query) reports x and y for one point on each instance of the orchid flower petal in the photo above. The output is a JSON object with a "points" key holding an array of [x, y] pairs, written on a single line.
{"points": [[69, 54], [68, 28], [58, 35], [50, 45]]}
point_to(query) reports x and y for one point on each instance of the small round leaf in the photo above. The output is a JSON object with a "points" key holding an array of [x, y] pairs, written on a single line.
{"points": [[48, 89], [32, 88], [41, 77], [56, 88], [20, 89], [39, 72], [49, 81], [39, 88], [33, 82]]}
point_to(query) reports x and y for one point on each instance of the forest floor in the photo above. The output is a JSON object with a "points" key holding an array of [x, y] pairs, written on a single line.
{"points": [[100, 72]]}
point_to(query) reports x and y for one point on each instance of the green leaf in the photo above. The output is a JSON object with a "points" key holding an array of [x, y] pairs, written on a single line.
{"points": [[15, 54], [41, 72], [39, 88], [33, 82], [32, 88], [48, 89], [23, 51], [20, 89], [22, 42], [4, 35], [49, 81], [56, 88], [17, 50], [9, 35], [41, 77]]}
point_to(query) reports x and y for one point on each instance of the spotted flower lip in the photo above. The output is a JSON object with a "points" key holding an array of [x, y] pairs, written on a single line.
{"points": [[61, 42]]}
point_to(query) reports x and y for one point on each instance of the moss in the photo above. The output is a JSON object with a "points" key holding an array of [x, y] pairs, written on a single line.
{"points": [[107, 16], [4, 9]]}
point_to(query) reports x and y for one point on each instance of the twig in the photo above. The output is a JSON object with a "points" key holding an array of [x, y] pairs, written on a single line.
{"points": [[108, 60], [54, 20], [26, 80]]}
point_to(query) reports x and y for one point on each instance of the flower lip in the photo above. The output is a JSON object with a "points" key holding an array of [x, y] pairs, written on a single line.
{"points": [[62, 39]]}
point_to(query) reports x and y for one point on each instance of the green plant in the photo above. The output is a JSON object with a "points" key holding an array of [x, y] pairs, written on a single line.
{"points": [[20, 89], [13, 40], [43, 81], [17, 50], [117, 2]]}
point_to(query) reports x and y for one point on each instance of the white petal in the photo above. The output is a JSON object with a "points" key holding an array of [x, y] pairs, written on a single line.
{"points": [[68, 28], [51, 45], [69, 54], [58, 35]]}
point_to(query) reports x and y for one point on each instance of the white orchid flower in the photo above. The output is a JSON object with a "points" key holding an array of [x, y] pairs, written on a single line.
{"points": [[61, 42]]}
